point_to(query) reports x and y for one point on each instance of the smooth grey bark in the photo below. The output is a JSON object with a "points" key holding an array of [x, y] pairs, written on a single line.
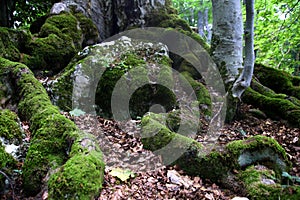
{"points": [[200, 24], [227, 41], [246, 76]]}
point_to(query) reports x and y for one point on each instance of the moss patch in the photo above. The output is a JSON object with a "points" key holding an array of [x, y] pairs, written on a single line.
{"points": [[9, 126], [7, 164], [13, 42], [59, 38], [273, 107], [81, 177], [277, 80], [256, 188]]}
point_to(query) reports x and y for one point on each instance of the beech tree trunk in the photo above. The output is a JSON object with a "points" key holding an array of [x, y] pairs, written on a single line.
{"points": [[246, 76], [227, 48]]}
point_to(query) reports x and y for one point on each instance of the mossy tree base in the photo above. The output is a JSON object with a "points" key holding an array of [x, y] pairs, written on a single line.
{"points": [[275, 94], [218, 164]]}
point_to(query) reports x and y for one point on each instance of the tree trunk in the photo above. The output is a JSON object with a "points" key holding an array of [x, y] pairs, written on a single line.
{"points": [[245, 78], [227, 45], [200, 24], [6, 12]]}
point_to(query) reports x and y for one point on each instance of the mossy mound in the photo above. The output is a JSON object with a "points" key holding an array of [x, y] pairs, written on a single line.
{"points": [[52, 138], [85, 168], [58, 40], [13, 42], [261, 183]]}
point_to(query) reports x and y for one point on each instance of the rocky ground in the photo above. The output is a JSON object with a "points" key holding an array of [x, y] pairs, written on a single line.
{"points": [[148, 178]]}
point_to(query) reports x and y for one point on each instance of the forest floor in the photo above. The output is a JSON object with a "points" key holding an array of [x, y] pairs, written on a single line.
{"points": [[166, 182]]}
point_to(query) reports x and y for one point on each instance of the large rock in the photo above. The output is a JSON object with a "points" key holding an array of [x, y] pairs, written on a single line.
{"points": [[137, 73]]}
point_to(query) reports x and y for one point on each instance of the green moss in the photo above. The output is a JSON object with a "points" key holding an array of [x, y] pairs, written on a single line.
{"points": [[277, 80], [60, 37], [273, 107], [155, 135], [52, 138], [82, 175], [63, 25], [9, 126], [105, 87], [89, 30], [188, 67], [258, 190], [51, 52], [175, 22], [13, 42], [130, 60], [206, 162], [260, 149]]}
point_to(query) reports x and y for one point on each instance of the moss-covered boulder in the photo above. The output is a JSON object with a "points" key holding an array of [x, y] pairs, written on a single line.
{"points": [[123, 72], [59, 39], [13, 42], [55, 141], [216, 163]]}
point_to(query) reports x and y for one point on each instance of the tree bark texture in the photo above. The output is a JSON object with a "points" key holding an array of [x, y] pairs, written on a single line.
{"points": [[227, 41], [245, 78]]}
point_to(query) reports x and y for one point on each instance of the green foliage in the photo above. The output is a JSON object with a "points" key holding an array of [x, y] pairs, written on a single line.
{"points": [[188, 9], [28, 11], [277, 34]]}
